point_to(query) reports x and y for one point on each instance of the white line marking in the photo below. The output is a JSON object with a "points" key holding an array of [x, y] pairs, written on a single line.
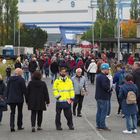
{"points": [[93, 127]]}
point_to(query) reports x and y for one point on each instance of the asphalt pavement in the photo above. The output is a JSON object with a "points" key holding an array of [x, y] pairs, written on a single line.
{"points": [[85, 127]]}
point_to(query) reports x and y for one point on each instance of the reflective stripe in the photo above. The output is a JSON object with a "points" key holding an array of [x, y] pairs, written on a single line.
{"points": [[62, 101], [64, 90]]}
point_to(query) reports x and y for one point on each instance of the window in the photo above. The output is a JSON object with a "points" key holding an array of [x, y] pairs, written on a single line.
{"points": [[34, 0], [21, 0]]}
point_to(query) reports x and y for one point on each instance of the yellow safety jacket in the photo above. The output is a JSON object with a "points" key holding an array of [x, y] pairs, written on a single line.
{"points": [[63, 90]]}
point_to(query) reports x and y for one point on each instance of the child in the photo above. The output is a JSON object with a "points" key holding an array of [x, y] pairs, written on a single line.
{"points": [[129, 110], [2, 91]]}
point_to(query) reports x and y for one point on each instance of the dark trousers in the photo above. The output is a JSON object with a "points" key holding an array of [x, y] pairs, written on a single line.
{"points": [[119, 101], [92, 77], [1, 114], [19, 116], [36, 114], [67, 114], [78, 101]]}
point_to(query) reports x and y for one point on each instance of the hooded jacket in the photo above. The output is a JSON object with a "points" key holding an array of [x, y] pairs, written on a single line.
{"points": [[37, 95], [16, 89], [124, 89]]}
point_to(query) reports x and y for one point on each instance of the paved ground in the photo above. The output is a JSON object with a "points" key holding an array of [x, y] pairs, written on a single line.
{"points": [[84, 127]]}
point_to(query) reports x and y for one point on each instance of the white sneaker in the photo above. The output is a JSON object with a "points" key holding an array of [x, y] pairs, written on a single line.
{"points": [[135, 131], [127, 132], [107, 116]]}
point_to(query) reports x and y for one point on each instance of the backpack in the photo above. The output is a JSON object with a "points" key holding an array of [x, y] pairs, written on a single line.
{"points": [[131, 98]]}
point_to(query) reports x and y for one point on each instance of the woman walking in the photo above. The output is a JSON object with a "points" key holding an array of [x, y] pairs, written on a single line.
{"points": [[2, 92], [37, 98], [129, 92]]}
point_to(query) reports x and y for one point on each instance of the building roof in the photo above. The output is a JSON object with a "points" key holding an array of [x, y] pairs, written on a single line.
{"points": [[115, 40]]}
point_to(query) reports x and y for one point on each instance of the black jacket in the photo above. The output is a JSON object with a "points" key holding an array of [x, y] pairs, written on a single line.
{"points": [[37, 95], [32, 66], [2, 88], [136, 76], [16, 89], [103, 91], [18, 65], [54, 67]]}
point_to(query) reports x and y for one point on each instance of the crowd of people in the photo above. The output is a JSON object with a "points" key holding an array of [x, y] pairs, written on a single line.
{"points": [[69, 74]]}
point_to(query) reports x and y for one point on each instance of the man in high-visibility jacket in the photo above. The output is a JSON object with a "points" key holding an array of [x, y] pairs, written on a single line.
{"points": [[64, 93]]}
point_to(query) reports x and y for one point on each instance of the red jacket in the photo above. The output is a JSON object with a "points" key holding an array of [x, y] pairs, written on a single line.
{"points": [[131, 60]]}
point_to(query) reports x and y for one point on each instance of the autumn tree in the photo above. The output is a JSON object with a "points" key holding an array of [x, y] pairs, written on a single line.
{"points": [[129, 29]]}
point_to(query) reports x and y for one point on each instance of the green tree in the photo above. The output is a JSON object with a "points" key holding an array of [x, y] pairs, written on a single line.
{"points": [[102, 11], [134, 11], [33, 37], [1, 23], [10, 18], [104, 26]]}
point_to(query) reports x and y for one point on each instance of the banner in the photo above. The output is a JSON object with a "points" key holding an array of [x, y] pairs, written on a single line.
{"points": [[69, 34]]}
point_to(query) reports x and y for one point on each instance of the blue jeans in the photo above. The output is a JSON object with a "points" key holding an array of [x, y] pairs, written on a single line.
{"points": [[131, 122], [102, 108], [1, 114], [53, 76], [26, 76], [109, 107]]}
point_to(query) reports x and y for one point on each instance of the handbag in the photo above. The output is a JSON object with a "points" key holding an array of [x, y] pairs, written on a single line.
{"points": [[3, 104], [83, 91]]}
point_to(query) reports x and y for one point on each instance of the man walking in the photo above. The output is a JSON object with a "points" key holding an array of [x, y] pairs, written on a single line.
{"points": [[64, 94], [16, 89], [79, 82], [102, 96]]}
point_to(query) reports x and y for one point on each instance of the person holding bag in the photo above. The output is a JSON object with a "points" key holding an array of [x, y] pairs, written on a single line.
{"points": [[80, 88], [3, 105]]}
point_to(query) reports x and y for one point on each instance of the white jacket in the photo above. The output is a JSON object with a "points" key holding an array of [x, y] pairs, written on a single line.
{"points": [[92, 68]]}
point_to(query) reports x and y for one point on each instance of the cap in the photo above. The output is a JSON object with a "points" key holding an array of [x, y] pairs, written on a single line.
{"points": [[105, 66]]}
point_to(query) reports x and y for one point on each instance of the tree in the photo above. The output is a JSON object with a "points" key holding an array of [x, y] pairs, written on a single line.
{"points": [[1, 23], [134, 11], [11, 19], [104, 26], [33, 37], [102, 11], [129, 29]]}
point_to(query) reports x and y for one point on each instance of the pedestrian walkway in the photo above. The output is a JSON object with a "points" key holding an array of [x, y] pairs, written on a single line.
{"points": [[85, 128]]}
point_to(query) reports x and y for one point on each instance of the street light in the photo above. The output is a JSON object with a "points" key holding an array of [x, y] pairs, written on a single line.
{"points": [[119, 12], [92, 29]]}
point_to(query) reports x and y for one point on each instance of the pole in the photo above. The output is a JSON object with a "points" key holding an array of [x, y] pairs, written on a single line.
{"points": [[92, 29], [14, 32], [19, 39], [119, 30]]}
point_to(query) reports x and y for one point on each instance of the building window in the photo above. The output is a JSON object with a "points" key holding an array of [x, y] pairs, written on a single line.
{"points": [[34, 0], [21, 0]]}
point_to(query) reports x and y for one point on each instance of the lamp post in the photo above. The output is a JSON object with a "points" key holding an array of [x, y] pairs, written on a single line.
{"points": [[14, 32], [92, 29], [19, 38], [119, 30]]}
